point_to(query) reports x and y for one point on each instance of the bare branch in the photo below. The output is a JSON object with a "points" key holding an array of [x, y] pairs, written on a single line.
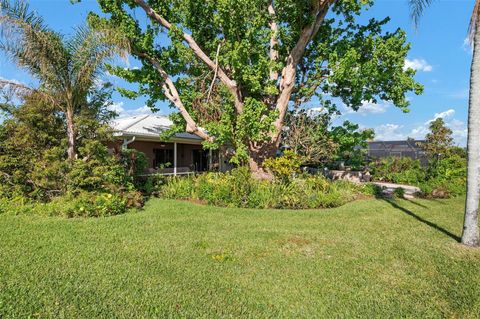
{"points": [[214, 75], [172, 94], [273, 41], [287, 81], [231, 85]]}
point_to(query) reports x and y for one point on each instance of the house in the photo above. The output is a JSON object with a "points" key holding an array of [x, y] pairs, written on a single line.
{"points": [[181, 154], [407, 148]]}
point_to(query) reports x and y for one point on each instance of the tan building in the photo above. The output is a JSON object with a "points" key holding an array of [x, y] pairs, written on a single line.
{"points": [[181, 154]]}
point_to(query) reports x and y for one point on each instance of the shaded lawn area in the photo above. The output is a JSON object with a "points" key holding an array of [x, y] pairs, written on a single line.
{"points": [[370, 258]]}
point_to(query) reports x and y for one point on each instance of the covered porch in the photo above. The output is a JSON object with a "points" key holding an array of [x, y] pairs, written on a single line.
{"points": [[176, 157], [179, 155]]}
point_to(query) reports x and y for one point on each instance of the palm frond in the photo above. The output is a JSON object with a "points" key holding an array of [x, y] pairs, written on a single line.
{"points": [[417, 7], [20, 11], [90, 50], [29, 43]]}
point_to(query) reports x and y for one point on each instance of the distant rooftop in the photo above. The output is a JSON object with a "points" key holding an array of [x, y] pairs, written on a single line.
{"points": [[147, 126]]}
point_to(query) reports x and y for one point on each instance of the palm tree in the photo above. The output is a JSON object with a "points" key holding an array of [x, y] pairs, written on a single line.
{"points": [[67, 69], [470, 235]]}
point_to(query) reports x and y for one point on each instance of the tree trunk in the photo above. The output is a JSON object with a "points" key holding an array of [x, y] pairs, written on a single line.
{"points": [[257, 155], [470, 236], [70, 135]]}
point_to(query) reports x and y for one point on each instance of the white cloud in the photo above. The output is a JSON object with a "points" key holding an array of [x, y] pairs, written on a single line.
{"points": [[368, 107], [418, 65], [459, 128], [119, 108], [466, 45], [388, 132], [448, 114], [116, 107]]}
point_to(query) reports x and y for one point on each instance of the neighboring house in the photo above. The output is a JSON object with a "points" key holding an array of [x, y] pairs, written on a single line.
{"points": [[407, 148], [181, 154]]}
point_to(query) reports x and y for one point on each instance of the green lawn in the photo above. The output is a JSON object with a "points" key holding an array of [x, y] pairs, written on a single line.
{"points": [[370, 258]]}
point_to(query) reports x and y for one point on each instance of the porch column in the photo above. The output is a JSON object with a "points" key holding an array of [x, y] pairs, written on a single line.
{"points": [[210, 160], [175, 159]]}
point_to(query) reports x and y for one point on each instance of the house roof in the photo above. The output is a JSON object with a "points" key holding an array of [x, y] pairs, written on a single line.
{"points": [[395, 145], [148, 126]]}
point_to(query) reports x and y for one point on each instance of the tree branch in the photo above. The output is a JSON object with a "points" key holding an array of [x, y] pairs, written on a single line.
{"points": [[214, 75], [287, 81], [171, 93], [231, 84], [273, 41]]}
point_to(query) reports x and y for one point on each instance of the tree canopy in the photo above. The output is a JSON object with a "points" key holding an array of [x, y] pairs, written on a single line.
{"points": [[233, 68]]}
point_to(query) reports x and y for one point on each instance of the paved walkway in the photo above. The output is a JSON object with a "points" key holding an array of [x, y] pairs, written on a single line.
{"points": [[389, 188]]}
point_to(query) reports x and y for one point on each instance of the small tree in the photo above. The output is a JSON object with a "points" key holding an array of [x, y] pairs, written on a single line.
{"points": [[352, 143], [67, 69], [307, 134], [438, 141], [234, 68]]}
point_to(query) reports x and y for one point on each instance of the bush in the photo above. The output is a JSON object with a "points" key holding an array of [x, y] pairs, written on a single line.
{"points": [[84, 204], [237, 188], [403, 170], [442, 178], [284, 167]]}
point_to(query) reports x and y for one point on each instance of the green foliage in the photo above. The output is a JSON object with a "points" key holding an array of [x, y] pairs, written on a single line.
{"points": [[345, 60], [66, 68], [134, 162], [284, 167], [36, 175], [29, 133], [308, 135], [238, 189], [352, 143], [399, 192], [82, 204], [438, 141], [97, 170], [446, 172], [401, 170], [442, 178]]}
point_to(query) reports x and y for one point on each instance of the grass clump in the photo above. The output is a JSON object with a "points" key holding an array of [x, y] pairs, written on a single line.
{"points": [[238, 188]]}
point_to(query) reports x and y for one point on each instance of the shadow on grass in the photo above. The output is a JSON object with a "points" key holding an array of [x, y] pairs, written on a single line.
{"points": [[421, 219], [416, 203]]}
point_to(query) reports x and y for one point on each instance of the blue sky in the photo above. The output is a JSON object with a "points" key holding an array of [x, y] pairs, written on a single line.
{"points": [[439, 53]]}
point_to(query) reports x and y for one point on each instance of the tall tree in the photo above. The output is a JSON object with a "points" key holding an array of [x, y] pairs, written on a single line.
{"points": [[470, 235], [66, 68], [233, 68]]}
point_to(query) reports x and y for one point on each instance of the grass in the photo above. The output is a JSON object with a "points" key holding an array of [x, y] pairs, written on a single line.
{"points": [[370, 259]]}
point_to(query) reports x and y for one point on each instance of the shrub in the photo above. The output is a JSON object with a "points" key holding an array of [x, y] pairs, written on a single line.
{"points": [[97, 170], [177, 188], [284, 167], [403, 170], [237, 188], [84, 204], [442, 178]]}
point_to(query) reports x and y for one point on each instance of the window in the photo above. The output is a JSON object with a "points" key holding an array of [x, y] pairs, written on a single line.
{"points": [[163, 157]]}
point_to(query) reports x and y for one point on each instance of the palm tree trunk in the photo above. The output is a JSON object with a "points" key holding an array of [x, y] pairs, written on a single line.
{"points": [[470, 236], [70, 135]]}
